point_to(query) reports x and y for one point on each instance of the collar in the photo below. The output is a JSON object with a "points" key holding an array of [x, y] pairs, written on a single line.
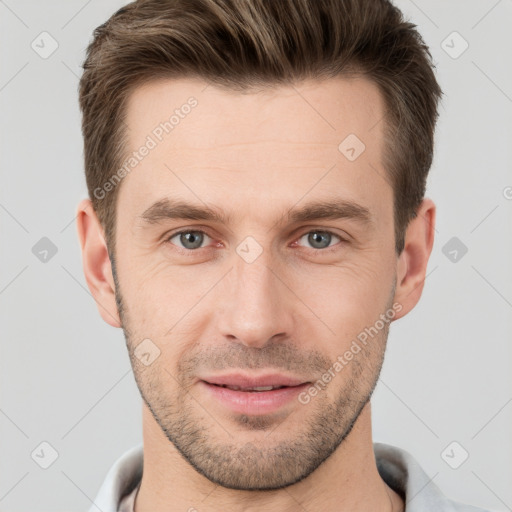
{"points": [[396, 466]]}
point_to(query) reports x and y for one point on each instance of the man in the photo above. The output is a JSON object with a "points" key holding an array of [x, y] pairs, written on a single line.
{"points": [[256, 221]]}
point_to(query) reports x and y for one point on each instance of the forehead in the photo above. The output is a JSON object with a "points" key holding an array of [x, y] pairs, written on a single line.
{"points": [[331, 108], [210, 142]]}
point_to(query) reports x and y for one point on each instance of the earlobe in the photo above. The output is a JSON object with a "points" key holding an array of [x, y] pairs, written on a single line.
{"points": [[412, 262], [96, 262]]}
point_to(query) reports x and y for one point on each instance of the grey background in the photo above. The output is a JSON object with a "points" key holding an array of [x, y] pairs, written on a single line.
{"points": [[65, 374]]}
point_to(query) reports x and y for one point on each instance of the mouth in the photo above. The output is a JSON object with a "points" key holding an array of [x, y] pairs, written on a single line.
{"points": [[246, 394], [249, 382], [250, 389]]}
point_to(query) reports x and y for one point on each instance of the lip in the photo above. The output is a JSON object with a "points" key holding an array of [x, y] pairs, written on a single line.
{"points": [[249, 381], [253, 402]]}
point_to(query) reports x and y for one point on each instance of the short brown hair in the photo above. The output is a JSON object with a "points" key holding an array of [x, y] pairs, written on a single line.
{"points": [[244, 44]]}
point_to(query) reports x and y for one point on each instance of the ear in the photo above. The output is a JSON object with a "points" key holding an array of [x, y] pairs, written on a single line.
{"points": [[96, 262], [412, 262]]}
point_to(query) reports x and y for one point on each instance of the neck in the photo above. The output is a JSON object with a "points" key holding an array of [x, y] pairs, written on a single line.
{"points": [[347, 481]]}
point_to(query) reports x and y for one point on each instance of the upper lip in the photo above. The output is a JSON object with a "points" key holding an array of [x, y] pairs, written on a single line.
{"points": [[250, 381]]}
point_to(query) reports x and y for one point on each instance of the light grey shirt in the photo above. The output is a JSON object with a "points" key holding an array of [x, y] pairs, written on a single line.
{"points": [[397, 468]]}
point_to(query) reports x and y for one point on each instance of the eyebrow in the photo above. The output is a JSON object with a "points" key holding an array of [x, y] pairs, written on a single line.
{"points": [[334, 209]]}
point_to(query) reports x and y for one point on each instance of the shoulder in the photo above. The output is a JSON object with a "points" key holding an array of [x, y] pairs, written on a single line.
{"points": [[123, 476], [402, 472]]}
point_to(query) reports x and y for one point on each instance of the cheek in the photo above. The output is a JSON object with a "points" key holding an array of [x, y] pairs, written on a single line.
{"points": [[348, 294], [161, 299]]}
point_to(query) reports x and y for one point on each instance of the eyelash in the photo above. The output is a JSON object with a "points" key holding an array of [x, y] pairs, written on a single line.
{"points": [[191, 251]]}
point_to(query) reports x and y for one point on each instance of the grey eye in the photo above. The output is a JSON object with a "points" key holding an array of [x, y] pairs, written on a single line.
{"points": [[190, 239], [319, 239]]}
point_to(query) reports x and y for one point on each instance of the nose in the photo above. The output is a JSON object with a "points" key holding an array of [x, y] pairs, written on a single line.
{"points": [[255, 304]]}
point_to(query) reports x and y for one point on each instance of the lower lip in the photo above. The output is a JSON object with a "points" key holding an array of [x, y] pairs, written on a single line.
{"points": [[253, 402]]}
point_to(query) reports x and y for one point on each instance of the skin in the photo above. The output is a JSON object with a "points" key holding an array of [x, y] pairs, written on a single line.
{"points": [[293, 310]]}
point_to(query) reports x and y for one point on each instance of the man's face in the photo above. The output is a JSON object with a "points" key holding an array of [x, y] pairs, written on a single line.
{"points": [[257, 291]]}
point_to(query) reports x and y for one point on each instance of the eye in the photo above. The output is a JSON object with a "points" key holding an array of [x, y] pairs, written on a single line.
{"points": [[190, 240], [320, 239]]}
